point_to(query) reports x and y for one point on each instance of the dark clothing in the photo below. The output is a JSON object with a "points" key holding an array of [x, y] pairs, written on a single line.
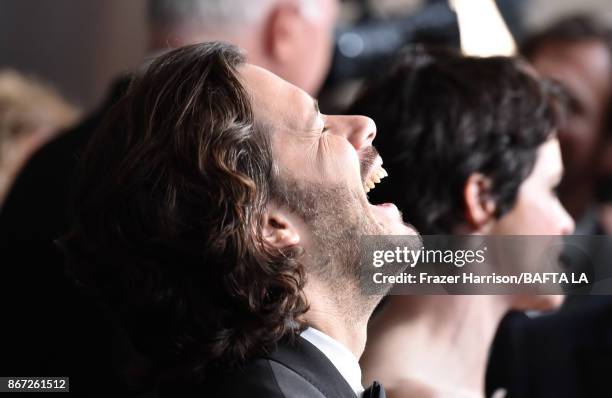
{"points": [[567, 354], [295, 369], [50, 327], [36, 208]]}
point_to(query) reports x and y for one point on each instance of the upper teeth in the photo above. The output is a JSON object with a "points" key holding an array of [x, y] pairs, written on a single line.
{"points": [[375, 178]]}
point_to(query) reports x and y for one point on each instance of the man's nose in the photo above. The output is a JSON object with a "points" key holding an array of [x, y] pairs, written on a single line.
{"points": [[358, 130]]}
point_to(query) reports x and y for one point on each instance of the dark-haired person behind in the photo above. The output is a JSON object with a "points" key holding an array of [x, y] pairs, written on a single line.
{"points": [[220, 223], [568, 354], [471, 148]]}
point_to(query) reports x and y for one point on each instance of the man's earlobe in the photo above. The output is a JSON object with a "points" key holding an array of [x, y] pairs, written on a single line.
{"points": [[279, 230], [479, 205]]}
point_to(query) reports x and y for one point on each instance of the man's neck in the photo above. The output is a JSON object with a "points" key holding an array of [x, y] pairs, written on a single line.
{"points": [[347, 326]]}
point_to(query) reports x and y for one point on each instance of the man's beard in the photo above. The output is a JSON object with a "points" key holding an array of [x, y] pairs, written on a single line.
{"points": [[338, 218]]}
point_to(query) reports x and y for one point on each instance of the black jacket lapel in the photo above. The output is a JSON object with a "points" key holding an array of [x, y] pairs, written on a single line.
{"points": [[306, 360]]}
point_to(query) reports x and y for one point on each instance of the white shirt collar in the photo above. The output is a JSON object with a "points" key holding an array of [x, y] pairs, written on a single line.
{"points": [[340, 356]]}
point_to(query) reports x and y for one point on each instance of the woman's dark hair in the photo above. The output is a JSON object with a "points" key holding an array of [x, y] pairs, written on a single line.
{"points": [[168, 218], [442, 117]]}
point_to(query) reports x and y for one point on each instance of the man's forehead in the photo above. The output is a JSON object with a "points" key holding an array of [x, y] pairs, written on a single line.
{"points": [[276, 102]]}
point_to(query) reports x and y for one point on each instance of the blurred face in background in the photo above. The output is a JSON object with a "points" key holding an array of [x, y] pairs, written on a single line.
{"points": [[584, 68]]}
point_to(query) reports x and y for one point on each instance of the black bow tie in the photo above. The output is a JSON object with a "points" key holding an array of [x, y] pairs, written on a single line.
{"points": [[376, 390]]}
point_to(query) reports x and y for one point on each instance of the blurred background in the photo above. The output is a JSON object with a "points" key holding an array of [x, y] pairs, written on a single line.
{"points": [[79, 47]]}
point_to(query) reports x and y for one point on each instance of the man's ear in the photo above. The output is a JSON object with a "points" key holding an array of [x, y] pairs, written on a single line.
{"points": [[280, 229], [284, 26], [479, 206]]}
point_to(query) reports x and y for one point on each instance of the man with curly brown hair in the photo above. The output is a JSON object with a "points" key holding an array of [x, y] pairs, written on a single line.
{"points": [[218, 213], [292, 38]]}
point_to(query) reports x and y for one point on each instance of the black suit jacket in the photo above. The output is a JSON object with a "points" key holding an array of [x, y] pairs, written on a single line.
{"points": [[49, 328], [294, 369], [563, 355]]}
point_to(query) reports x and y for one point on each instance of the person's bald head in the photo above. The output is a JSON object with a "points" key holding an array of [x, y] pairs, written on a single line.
{"points": [[291, 38], [214, 16]]}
